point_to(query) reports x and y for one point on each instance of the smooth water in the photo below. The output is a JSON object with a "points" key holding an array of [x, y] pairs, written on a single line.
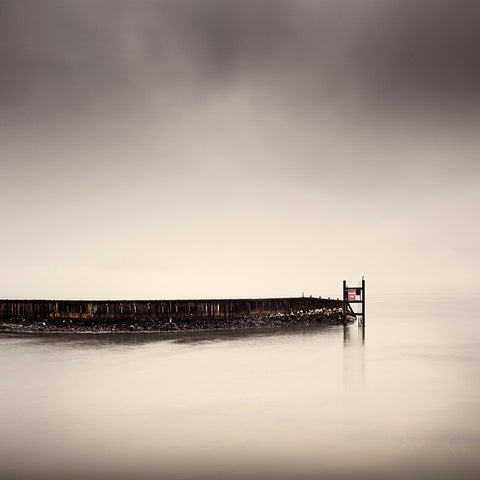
{"points": [[400, 399]]}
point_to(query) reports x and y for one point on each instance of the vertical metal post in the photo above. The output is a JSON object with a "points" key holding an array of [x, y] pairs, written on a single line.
{"points": [[344, 297], [363, 299]]}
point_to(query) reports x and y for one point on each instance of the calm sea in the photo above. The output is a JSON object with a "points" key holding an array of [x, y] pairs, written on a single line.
{"points": [[399, 400]]}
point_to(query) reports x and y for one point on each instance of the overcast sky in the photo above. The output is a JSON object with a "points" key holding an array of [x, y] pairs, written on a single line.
{"points": [[208, 148]]}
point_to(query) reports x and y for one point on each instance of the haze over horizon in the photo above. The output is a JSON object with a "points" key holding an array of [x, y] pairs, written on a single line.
{"points": [[188, 149]]}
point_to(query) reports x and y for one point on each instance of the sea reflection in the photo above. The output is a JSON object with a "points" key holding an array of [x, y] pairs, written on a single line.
{"points": [[98, 340], [358, 334], [354, 357]]}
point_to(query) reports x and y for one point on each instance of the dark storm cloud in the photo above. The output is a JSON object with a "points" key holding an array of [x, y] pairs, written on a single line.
{"points": [[89, 50], [297, 78], [79, 46], [425, 49]]}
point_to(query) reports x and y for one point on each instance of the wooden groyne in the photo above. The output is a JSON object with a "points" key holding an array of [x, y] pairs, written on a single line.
{"points": [[166, 315]]}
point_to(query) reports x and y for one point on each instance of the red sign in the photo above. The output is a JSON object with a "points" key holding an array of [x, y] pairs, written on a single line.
{"points": [[352, 294]]}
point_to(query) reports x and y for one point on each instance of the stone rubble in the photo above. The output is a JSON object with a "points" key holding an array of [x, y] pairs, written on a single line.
{"points": [[310, 318]]}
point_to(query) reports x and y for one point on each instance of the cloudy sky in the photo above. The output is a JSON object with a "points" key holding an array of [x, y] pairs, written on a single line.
{"points": [[217, 148]]}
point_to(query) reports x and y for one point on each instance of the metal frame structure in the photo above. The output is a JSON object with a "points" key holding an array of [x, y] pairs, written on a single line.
{"points": [[359, 292]]}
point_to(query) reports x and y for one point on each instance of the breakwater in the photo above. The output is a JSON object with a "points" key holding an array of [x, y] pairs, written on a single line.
{"points": [[166, 315]]}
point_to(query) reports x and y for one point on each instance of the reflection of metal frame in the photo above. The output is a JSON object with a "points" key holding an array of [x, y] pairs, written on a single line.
{"points": [[359, 298]]}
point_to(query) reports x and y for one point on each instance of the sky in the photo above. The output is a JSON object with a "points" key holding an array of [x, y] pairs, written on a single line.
{"points": [[216, 149]]}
